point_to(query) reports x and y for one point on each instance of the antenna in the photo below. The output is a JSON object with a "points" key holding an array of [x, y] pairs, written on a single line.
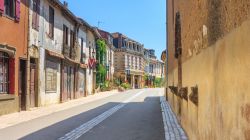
{"points": [[99, 22]]}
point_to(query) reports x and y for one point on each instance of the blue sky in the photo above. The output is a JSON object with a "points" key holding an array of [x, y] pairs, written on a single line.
{"points": [[141, 20]]}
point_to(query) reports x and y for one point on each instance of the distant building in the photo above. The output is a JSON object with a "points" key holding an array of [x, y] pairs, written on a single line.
{"points": [[153, 67], [129, 60], [109, 54]]}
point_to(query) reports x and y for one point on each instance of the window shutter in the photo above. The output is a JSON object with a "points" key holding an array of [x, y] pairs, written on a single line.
{"points": [[34, 15], [12, 75], [18, 6], [1, 6], [38, 14]]}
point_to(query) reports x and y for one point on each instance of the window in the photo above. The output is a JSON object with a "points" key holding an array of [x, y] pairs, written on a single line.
{"points": [[140, 67], [128, 61], [9, 8], [51, 76], [35, 14], [89, 51], [65, 35], [51, 22], [136, 63], [72, 38], [4, 72], [83, 56], [132, 60]]}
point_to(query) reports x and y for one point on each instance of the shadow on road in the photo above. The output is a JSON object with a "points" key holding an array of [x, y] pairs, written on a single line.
{"points": [[136, 120]]}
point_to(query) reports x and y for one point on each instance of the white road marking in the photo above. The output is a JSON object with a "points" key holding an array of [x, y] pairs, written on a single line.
{"points": [[79, 131]]}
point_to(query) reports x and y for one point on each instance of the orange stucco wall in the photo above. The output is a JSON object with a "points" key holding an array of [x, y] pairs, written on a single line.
{"points": [[15, 34]]}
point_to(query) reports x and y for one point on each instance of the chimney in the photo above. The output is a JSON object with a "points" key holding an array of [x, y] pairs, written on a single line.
{"points": [[65, 4]]}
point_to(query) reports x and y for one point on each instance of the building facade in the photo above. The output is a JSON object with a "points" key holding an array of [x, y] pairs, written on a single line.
{"points": [[208, 68], [91, 60], [56, 54], [109, 53], [13, 54], [128, 60], [154, 68]]}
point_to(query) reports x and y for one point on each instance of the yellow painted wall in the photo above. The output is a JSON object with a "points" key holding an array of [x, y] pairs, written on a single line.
{"points": [[222, 74]]}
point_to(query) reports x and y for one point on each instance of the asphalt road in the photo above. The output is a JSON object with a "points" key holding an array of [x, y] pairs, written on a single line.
{"points": [[132, 115]]}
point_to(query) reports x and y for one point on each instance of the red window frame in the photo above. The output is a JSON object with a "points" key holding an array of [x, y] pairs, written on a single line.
{"points": [[4, 73]]}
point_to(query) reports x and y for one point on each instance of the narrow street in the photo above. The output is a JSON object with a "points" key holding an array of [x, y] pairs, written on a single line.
{"points": [[131, 115]]}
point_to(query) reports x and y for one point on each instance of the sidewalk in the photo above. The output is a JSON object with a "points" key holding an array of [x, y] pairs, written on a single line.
{"points": [[23, 116], [173, 130]]}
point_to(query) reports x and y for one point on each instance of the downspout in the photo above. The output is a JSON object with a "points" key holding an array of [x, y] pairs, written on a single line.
{"points": [[166, 61], [28, 61]]}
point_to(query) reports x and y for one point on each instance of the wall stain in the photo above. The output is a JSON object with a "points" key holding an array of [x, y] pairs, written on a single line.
{"points": [[245, 112]]}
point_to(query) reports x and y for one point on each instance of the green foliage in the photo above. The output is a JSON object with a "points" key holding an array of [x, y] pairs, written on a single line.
{"points": [[101, 59], [126, 85], [101, 69], [117, 82], [158, 82], [146, 77], [101, 45], [106, 86]]}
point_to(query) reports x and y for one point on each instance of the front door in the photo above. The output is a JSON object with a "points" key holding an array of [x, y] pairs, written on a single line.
{"points": [[68, 82], [32, 84], [136, 82], [22, 84]]}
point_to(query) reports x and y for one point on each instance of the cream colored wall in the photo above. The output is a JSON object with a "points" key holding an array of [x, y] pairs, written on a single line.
{"points": [[89, 72], [47, 98], [222, 74]]}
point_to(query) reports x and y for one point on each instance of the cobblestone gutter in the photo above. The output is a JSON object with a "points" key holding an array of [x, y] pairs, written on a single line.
{"points": [[173, 130]]}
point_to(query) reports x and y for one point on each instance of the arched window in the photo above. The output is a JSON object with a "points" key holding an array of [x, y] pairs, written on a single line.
{"points": [[4, 73]]}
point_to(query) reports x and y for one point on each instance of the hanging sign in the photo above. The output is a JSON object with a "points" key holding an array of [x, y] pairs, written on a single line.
{"points": [[91, 63]]}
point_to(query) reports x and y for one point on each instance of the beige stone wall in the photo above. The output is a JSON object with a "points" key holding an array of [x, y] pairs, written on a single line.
{"points": [[221, 72], [9, 106]]}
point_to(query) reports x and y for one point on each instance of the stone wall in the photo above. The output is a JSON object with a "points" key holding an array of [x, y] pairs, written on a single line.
{"points": [[9, 105], [203, 22], [216, 51], [221, 73]]}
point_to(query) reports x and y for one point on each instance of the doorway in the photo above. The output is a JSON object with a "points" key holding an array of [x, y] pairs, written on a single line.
{"points": [[22, 84], [68, 83], [32, 101]]}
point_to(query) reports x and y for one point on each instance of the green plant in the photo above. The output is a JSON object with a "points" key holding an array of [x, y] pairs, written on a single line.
{"points": [[117, 82], [146, 77], [101, 59], [126, 85], [105, 86], [158, 82]]}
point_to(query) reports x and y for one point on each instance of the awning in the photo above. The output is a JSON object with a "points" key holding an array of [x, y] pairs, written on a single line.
{"points": [[11, 51], [54, 54], [71, 60]]}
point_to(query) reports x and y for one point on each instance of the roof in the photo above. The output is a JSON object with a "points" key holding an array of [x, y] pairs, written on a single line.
{"points": [[126, 37]]}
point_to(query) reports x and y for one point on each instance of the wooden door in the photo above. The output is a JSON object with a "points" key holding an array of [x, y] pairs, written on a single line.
{"points": [[32, 85], [65, 84], [72, 82], [22, 84]]}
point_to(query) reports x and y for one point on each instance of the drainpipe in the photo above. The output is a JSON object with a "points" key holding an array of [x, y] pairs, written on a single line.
{"points": [[166, 61], [28, 62]]}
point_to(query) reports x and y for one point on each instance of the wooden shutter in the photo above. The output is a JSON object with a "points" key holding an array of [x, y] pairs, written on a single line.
{"points": [[51, 22], [37, 14], [1, 6], [18, 6], [12, 75]]}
